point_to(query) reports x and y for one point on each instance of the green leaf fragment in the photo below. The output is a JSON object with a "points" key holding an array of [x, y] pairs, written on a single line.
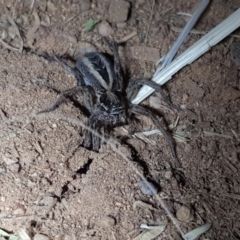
{"points": [[90, 24]]}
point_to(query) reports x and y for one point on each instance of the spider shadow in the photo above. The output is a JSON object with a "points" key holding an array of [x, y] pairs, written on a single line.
{"points": [[135, 156]]}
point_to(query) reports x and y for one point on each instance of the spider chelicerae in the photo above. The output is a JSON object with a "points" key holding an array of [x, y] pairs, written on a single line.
{"points": [[100, 80]]}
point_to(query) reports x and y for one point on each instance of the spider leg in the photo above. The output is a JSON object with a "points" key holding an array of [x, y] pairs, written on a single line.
{"points": [[135, 84], [96, 141], [62, 97], [89, 97], [90, 139], [87, 138], [65, 66], [117, 66], [143, 111]]}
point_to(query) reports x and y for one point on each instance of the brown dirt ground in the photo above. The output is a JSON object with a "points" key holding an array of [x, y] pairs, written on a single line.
{"points": [[53, 186]]}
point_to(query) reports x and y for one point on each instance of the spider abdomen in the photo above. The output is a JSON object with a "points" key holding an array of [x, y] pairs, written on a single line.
{"points": [[97, 71]]}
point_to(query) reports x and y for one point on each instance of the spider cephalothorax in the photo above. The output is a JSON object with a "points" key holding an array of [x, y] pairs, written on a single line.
{"points": [[109, 104]]}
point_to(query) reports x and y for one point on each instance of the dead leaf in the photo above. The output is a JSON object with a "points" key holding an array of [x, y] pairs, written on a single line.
{"points": [[151, 232], [194, 234], [45, 21], [143, 205], [229, 94], [41, 5], [32, 30], [50, 7], [22, 233], [12, 22]]}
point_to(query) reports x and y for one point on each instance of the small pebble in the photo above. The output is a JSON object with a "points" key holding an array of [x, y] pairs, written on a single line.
{"points": [[154, 102], [48, 201], [121, 25], [118, 10], [44, 181], [19, 211], [204, 148], [185, 214], [4, 72], [14, 167], [4, 34], [107, 222], [235, 50], [39, 236], [85, 5], [140, 2], [168, 175], [154, 30], [147, 188], [183, 107], [104, 29]]}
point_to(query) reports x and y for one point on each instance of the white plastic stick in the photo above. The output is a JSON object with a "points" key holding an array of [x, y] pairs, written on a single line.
{"points": [[181, 38], [199, 48]]}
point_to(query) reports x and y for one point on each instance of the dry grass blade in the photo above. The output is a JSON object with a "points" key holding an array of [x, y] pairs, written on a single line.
{"points": [[194, 234], [12, 22], [151, 232], [213, 134], [144, 205], [150, 20], [179, 136], [236, 135], [32, 5], [9, 47], [232, 195], [31, 31], [126, 38], [23, 234], [194, 31]]}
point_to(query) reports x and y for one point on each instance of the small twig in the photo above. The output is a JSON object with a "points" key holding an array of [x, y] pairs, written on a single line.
{"points": [[184, 14], [150, 21], [231, 195], [17, 218], [126, 38], [194, 31], [2, 115], [11, 20], [9, 47], [32, 5]]}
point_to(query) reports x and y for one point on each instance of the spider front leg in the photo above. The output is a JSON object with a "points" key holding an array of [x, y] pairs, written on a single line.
{"points": [[86, 90], [65, 66], [143, 111], [135, 84]]}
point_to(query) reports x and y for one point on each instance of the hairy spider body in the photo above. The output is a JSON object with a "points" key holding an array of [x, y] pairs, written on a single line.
{"points": [[101, 84]]}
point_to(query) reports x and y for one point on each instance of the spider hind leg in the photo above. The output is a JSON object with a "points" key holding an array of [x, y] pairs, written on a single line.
{"points": [[135, 84], [136, 109]]}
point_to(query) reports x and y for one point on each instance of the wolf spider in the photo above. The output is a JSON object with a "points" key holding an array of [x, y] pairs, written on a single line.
{"points": [[109, 103]]}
